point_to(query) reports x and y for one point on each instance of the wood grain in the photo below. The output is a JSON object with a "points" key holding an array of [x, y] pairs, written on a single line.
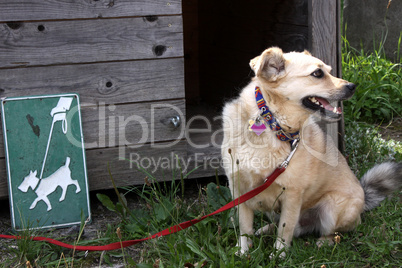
{"points": [[204, 138], [100, 83], [84, 41], [323, 32], [136, 123], [324, 43], [160, 163], [22, 10]]}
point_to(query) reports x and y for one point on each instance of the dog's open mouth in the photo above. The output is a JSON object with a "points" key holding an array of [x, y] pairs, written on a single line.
{"points": [[322, 105]]}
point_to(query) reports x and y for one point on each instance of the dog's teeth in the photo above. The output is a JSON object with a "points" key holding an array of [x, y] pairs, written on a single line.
{"points": [[335, 111], [314, 100]]}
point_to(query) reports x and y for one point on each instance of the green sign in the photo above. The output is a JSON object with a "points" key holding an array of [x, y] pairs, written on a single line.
{"points": [[45, 160]]}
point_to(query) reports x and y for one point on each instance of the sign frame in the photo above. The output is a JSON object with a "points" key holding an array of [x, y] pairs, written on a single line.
{"points": [[52, 185]]}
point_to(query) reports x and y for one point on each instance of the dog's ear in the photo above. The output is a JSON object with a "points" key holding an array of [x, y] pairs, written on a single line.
{"points": [[307, 53], [35, 172], [269, 65]]}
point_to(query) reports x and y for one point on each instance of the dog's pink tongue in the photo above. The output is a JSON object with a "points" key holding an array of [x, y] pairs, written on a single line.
{"points": [[327, 105]]}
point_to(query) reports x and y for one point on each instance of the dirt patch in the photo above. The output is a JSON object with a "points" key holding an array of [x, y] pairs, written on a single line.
{"points": [[392, 131]]}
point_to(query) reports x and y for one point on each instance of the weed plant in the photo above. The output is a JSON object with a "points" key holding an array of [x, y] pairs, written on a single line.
{"points": [[378, 95], [365, 147]]}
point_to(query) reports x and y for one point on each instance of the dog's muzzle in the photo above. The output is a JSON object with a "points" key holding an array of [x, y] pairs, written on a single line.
{"points": [[324, 106]]}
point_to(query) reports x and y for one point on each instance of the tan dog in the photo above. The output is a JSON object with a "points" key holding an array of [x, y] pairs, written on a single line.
{"points": [[318, 192]]}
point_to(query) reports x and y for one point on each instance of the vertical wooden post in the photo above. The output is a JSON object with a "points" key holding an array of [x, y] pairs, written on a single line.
{"points": [[324, 43]]}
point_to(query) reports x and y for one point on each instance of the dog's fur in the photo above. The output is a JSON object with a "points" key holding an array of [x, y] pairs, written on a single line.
{"points": [[60, 178], [318, 192]]}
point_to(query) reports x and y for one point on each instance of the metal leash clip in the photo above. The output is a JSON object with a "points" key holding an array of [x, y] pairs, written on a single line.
{"points": [[293, 147]]}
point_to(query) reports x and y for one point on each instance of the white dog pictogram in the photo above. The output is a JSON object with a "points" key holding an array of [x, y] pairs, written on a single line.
{"points": [[62, 178]]}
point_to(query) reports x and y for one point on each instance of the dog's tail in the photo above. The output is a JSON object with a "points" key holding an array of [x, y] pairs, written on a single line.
{"points": [[379, 182]]}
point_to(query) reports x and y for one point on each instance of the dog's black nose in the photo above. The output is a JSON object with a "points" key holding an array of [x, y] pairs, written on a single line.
{"points": [[351, 87]]}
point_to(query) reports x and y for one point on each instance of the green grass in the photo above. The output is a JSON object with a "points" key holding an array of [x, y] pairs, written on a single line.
{"points": [[211, 243], [377, 241]]}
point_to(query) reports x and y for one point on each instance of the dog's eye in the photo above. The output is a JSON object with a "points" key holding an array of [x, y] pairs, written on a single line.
{"points": [[318, 73]]}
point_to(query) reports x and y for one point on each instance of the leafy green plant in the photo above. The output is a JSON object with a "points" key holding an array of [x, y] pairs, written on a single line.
{"points": [[379, 89], [365, 147]]}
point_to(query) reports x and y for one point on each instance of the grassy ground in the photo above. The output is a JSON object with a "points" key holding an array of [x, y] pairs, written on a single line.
{"points": [[210, 243]]}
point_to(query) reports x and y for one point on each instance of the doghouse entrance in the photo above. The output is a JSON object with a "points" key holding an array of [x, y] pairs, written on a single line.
{"points": [[220, 38]]}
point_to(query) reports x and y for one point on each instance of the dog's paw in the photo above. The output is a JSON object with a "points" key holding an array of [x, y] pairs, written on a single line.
{"points": [[325, 240], [281, 255], [243, 250], [267, 229], [244, 244], [280, 249]]}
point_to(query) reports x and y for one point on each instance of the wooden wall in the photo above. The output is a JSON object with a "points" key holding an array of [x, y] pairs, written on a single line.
{"points": [[125, 60]]}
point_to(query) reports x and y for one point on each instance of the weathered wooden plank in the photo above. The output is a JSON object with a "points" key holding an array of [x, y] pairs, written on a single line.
{"points": [[125, 125], [324, 42], [106, 83], [159, 162], [23, 10], [323, 32], [204, 137], [83, 41], [3, 179], [136, 123]]}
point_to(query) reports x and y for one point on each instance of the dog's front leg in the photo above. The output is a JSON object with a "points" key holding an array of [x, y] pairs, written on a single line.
{"points": [[290, 213], [246, 218]]}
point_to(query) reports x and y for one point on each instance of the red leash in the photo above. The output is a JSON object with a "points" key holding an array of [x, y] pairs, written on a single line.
{"points": [[184, 225]]}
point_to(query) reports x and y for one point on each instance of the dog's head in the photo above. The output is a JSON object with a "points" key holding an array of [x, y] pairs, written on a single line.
{"points": [[29, 181], [301, 80]]}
